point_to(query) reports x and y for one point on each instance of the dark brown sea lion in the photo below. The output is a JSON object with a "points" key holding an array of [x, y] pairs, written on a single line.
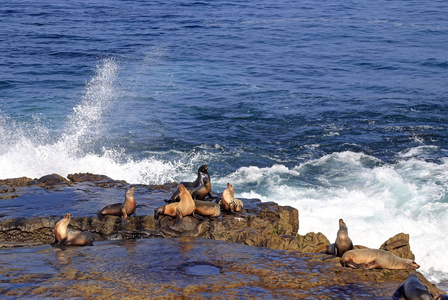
{"points": [[67, 236], [207, 208], [376, 259], [228, 200], [121, 209], [412, 289], [343, 242], [203, 190], [202, 172]]}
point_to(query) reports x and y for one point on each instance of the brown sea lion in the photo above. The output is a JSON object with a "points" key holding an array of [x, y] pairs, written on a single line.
{"points": [[185, 206], [343, 242], [207, 208], [228, 200], [121, 209], [169, 209], [376, 259], [412, 289], [203, 190], [202, 172], [67, 236]]}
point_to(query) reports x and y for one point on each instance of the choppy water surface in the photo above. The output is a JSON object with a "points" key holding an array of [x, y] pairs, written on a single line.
{"points": [[338, 109]]}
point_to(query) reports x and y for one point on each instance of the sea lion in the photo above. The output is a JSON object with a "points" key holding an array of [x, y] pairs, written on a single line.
{"points": [[67, 236], [121, 209], [185, 206], [169, 209], [412, 289], [202, 172], [207, 208], [203, 190], [228, 200], [376, 259], [343, 243]]}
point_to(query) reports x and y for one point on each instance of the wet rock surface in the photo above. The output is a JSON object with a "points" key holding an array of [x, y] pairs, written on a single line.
{"points": [[204, 256], [185, 267]]}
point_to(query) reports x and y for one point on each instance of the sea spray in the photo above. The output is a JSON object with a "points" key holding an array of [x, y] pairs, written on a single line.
{"points": [[375, 199]]}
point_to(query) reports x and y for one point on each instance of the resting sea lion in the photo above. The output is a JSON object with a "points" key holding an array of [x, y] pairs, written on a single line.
{"points": [[202, 172], [229, 202], [412, 289], [202, 191], [343, 242], [207, 208], [185, 206], [376, 259], [68, 236], [121, 209]]}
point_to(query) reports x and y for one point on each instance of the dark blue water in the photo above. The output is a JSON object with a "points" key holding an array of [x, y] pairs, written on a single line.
{"points": [[337, 108]]}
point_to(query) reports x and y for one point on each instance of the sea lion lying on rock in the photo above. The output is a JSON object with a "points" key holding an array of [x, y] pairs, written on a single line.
{"points": [[412, 289], [229, 202], [207, 208], [376, 259], [67, 236], [121, 209], [343, 243]]}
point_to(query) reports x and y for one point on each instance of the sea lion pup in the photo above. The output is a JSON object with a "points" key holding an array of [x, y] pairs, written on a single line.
{"points": [[228, 200], [376, 259], [202, 172], [207, 208], [202, 191], [343, 242], [412, 289], [121, 209], [185, 206], [68, 236]]}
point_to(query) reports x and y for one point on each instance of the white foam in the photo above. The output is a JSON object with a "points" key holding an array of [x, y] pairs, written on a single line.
{"points": [[375, 200]]}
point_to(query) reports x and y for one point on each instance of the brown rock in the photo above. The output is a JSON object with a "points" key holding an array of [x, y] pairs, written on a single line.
{"points": [[51, 179], [99, 180], [312, 242], [16, 182], [399, 245]]}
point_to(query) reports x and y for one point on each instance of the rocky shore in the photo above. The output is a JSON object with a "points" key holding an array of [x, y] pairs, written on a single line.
{"points": [[292, 265]]}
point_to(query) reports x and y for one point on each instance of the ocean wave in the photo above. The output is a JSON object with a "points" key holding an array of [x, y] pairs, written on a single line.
{"points": [[376, 200]]}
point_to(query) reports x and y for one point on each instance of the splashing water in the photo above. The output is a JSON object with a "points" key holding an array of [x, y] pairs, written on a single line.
{"points": [[376, 200]]}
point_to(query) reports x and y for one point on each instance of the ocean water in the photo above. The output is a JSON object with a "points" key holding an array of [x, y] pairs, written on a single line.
{"points": [[336, 108]]}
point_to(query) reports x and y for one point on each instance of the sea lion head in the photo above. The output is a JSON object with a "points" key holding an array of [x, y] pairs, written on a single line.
{"points": [[183, 188], [414, 265], [203, 169], [130, 192], [341, 223], [67, 217]]}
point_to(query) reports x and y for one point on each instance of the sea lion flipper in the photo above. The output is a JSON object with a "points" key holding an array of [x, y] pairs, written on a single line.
{"points": [[62, 242], [398, 293], [178, 216], [124, 214], [358, 266]]}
